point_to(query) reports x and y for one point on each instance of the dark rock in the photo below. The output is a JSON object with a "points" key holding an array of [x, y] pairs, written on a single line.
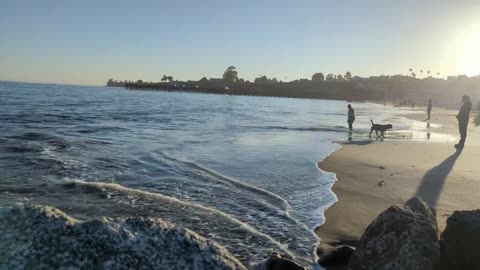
{"points": [[276, 262], [401, 238], [460, 241], [338, 256], [40, 237], [418, 205]]}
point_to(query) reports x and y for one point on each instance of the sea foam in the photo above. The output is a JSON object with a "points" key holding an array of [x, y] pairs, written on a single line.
{"points": [[42, 237]]}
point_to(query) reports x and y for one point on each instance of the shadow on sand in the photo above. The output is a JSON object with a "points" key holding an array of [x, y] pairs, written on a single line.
{"points": [[434, 180], [363, 142], [356, 142]]}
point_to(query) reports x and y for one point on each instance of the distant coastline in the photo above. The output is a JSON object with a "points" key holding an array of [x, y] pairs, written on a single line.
{"points": [[112, 83], [397, 90]]}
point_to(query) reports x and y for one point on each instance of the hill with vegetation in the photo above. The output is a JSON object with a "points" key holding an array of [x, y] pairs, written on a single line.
{"points": [[401, 90]]}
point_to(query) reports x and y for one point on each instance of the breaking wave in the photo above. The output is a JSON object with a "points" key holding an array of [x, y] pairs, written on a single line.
{"points": [[209, 222]]}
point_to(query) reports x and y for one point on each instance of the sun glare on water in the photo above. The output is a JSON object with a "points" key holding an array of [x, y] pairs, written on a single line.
{"points": [[469, 58]]}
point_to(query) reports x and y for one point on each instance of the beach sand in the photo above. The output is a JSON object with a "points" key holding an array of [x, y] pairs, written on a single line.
{"points": [[372, 175]]}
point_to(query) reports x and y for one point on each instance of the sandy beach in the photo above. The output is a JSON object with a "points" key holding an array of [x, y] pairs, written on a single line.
{"points": [[372, 175]]}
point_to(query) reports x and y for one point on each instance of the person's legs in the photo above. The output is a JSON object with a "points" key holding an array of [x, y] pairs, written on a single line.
{"points": [[350, 126], [463, 134]]}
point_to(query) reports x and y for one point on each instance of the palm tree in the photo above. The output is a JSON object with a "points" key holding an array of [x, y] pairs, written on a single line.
{"points": [[428, 73], [170, 78], [421, 71], [438, 74], [164, 78], [414, 75]]}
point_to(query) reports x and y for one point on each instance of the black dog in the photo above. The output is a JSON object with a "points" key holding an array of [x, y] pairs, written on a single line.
{"points": [[379, 128]]}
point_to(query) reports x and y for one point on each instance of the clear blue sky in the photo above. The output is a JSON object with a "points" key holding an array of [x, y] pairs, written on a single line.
{"points": [[88, 42]]}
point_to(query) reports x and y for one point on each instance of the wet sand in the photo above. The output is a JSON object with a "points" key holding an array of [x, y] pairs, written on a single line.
{"points": [[372, 175]]}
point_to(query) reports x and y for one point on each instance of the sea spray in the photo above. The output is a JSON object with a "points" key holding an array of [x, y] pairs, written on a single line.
{"points": [[42, 237]]}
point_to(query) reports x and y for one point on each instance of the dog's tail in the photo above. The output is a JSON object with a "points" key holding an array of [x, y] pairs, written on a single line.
{"points": [[371, 121]]}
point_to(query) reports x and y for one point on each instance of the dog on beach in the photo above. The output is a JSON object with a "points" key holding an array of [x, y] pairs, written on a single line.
{"points": [[379, 128]]}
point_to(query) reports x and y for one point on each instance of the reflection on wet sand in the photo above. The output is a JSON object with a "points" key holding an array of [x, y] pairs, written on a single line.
{"points": [[428, 131]]}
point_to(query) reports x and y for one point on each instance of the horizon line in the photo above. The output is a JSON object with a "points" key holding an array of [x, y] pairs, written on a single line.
{"points": [[105, 84]]}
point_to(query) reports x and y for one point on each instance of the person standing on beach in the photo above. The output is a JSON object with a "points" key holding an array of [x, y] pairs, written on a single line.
{"points": [[463, 117], [351, 118], [429, 109]]}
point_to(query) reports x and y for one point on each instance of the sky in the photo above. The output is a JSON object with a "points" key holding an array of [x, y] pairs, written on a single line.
{"points": [[88, 42]]}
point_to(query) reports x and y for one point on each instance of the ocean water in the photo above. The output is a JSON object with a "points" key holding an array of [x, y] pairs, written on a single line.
{"points": [[239, 170]]}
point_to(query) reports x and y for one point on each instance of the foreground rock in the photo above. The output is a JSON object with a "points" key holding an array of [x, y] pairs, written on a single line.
{"points": [[460, 241], [277, 262], [337, 257], [402, 237], [39, 237]]}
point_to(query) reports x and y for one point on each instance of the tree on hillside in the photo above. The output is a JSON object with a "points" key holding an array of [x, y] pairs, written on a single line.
{"points": [[318, 77], [261, 79], [330, 77], [170, 78], [428, 73], [204, 79], [230, 74], [139, 81], [414, 75], [348, 75], [339, 77]]}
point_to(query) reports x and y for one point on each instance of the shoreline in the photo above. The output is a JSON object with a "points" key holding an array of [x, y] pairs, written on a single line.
{"points": [[372, 175]]}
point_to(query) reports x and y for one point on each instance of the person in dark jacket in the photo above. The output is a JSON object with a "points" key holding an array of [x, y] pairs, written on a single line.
{"points": [[429, 109], [350, 118], [463, 118]]}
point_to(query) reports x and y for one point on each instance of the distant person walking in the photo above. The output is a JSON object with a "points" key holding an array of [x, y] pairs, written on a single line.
{"points": [[463, 118], [351, 118], [429, 109]]}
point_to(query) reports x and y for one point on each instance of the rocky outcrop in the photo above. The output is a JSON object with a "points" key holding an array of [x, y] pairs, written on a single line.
{"points": [[39, 237], [336, 257], [402, 237], [460, 241], [277, 262]]}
